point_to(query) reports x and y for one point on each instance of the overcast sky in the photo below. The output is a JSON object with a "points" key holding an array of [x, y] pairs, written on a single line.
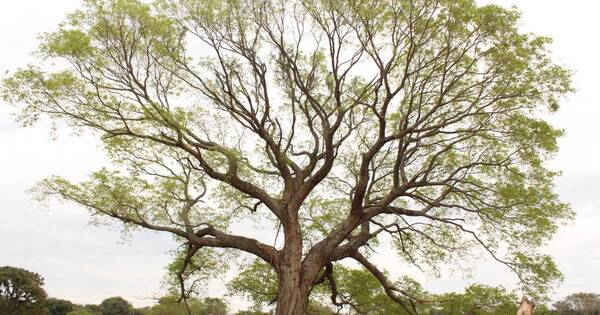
{"points": [[86, 264]]}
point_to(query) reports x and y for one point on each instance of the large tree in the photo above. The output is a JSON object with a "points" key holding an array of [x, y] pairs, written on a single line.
{"points": [[332, 122], [21, 291]]}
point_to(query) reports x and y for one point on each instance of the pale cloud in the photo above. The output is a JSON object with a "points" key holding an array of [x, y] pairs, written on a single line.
{"points": [[85, 263]]}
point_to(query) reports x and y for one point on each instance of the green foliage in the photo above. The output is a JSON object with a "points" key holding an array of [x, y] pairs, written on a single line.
{"points": [[93, 309], [360, 291], [80, 311], [199, 269], [170, 306], [257, 282], [316, 308], [538, 268], [68, 43], [477, 300], [214, 306], [116, 306], [246, 312], [58, 306], [364, 292], [21, 291]]}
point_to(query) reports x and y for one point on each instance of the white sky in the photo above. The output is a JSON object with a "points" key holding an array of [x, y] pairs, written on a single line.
{"points": [[86, 264]]}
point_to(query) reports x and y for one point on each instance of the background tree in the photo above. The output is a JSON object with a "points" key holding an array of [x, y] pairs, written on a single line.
{"points": [[58, 306], [142, 311], [80, 311], [256, 282], [116, 306], [21, 291], [170, 305], [315, 308], [579, 303], [562, 307], [247, 312], [93, 308], [333, 122], [477, 299], [362, 293], [543, 309], [213, 306]]}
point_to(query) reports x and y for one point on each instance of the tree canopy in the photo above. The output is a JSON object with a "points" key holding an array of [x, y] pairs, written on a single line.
{"points": [[58, 306], [338, 124], [116, 306], [579, 304], [21, 291], [170, 305]]}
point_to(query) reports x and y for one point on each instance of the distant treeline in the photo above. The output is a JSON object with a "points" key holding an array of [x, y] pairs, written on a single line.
{"points": [[574, 304], [22, 293]]}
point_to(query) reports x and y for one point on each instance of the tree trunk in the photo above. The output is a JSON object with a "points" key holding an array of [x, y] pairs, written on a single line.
{"points": [[292, 298], [293, 291]]}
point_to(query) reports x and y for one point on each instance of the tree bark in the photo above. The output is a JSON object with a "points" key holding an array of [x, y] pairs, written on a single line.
{"points": [[293, 291], [292, 296]]}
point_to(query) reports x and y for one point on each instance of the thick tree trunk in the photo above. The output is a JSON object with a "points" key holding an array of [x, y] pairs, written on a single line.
{"points": [[292, 298], [292, 294]]}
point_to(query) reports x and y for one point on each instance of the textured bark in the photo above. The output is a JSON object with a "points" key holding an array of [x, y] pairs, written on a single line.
{"points": [[292, 296]]}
